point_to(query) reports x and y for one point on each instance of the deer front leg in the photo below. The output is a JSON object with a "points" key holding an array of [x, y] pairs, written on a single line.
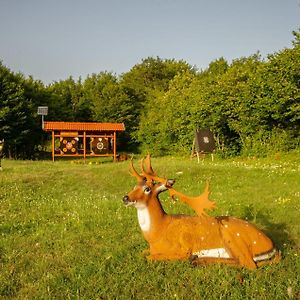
{"points": [[168, 251], [202, 261], [145, 252], [166, 256], [170, 254]]}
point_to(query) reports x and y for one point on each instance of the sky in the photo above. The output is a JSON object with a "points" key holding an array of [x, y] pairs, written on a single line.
{"points": [[52, 40]]}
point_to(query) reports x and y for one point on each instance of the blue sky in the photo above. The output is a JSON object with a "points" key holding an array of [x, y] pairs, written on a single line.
{"points": [[54, 39]]}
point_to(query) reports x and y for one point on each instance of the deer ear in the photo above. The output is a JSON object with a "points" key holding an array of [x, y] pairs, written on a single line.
{"points": [[161, 188], [165, 186], [170, 183]]}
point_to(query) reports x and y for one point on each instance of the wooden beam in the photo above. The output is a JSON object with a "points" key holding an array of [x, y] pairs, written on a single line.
{"points": [[84, 145], [53, 145], [115, 146]]}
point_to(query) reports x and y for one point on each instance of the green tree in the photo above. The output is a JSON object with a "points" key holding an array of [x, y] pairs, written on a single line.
{"points": [[16, 122], [276, 90], [148, 79], [67, 102], [109, 102]]}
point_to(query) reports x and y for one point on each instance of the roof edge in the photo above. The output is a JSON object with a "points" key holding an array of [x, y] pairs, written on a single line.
{"points": [[83, 126]]}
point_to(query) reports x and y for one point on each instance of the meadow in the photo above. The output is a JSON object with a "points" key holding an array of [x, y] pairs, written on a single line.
{"points": [[65, 233]]}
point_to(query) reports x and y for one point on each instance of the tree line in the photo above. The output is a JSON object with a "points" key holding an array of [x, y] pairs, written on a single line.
{"points": [[252, 105]]}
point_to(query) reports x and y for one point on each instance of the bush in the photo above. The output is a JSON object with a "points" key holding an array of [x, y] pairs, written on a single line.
{"points": [[265, 143]]}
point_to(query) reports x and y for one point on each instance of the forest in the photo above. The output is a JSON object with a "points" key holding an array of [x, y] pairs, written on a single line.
{"points": [[252, 105]]}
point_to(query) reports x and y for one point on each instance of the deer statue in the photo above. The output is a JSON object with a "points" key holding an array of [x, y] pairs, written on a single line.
{"points": [[202, 239]]}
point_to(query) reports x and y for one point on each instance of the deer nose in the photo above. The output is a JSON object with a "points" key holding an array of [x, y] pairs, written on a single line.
{"points": [[125, 199]]}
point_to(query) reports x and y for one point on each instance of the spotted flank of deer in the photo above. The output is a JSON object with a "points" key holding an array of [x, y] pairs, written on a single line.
{"points": [[202, 239]]}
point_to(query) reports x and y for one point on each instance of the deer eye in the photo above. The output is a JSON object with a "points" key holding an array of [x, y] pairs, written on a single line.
{"points": [[147, 189]]}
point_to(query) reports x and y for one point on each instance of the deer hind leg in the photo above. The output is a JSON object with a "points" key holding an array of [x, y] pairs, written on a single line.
{"points": [[238, 249], [273, 260]]}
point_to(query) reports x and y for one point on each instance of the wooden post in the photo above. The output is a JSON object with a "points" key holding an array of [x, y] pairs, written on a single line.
{"points": [[115, 146], [53, 146], [84, 145], [193, 149]]}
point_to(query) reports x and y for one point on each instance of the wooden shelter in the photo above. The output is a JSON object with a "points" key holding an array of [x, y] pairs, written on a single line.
{"points": [[81, 139]]}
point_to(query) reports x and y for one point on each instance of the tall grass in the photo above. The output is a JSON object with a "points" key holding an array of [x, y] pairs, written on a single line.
{"points": [[65, 234]]}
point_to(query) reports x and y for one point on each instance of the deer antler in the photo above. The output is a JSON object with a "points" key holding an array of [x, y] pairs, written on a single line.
{"points": [[134, 173], [148, 165], [199, 203], [150, 174]]}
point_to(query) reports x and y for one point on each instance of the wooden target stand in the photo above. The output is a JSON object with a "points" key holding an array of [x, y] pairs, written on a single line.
{"points": [[74, 139], [84, 145], [203, 143]]}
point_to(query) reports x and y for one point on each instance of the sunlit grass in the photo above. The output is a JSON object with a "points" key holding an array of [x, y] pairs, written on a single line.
{"points": [[65, 234]]}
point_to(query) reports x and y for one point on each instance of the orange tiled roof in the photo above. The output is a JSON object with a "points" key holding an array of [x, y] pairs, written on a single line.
{"points": [[84, 126]]}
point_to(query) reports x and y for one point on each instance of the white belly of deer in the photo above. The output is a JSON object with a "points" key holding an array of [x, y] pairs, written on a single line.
{"points": [[144, 218], [213, 253]]}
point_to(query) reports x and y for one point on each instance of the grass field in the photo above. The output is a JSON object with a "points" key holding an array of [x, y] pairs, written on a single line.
{"points": [[65, 234]]}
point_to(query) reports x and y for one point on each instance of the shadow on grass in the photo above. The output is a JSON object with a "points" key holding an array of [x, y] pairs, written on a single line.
{"points": [[47, 156], [278, 232]]}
